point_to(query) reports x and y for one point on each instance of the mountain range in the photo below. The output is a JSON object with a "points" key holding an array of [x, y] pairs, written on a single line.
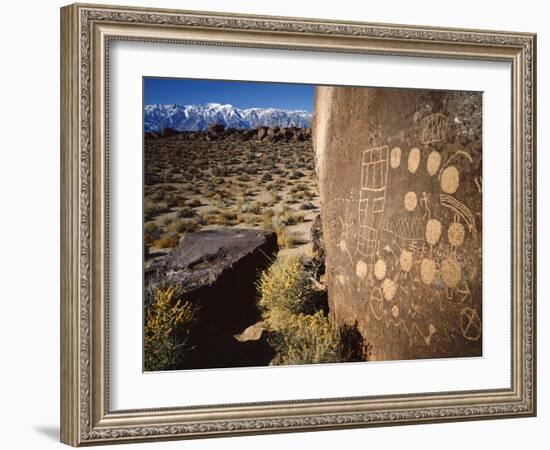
{"points": [[158, 117]]}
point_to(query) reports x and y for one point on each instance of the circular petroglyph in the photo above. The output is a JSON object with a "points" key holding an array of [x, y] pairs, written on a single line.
{"points": [[410, 201], [427, 270], [395, 311], [406, 260], [395, 157], [456, 233], [380, 269], [433, 231], [470, 324], [451, 273], [433, 162], [414, 160], [389, 288], [377, 303], [450, 179], [361, 269]]}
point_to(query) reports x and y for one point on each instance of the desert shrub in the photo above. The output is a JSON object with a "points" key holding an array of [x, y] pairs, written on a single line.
{"points": [[167, 241], [168, 324], [293, 311], [186, 212], [285, 289], [253, 208], [152, 210], [266, 177], [307, 339], [307, 206], [158, 195], [287, 217], [182, 226], [151, 233], [285, 238]]}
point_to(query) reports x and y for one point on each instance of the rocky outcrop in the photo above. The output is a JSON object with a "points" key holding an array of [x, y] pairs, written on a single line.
{"points": [[218, 269], [400, 182], [217, 132]]}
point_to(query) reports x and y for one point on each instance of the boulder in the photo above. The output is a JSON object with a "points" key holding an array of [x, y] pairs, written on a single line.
{"points": [[216, 128], [262, 132], [400, 183]]}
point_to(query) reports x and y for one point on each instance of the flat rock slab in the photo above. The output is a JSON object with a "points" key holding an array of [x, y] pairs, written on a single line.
{"points": [[401, 199], [201, 258]]}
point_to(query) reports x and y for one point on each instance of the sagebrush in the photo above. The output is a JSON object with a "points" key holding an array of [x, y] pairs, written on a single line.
{"points": [[168, 324]]}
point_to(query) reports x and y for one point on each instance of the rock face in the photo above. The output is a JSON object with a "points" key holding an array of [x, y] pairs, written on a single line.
{"points": [[400, 181], [317, 245], [218, 269]]}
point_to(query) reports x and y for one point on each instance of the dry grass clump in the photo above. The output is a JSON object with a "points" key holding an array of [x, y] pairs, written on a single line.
{"points": [[152, 210], [285, 238], [167, 241], [308, 339], [151, 233], [181, 225], [168, 324]]}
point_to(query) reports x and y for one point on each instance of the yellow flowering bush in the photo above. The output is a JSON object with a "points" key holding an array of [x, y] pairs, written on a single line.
{"points": [[168, 324]]}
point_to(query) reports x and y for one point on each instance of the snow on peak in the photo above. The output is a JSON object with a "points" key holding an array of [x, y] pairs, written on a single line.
{"points": [[198, 117]]}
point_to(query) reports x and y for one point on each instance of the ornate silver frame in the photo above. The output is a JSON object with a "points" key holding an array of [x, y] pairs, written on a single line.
{"points": [[86, 31]]}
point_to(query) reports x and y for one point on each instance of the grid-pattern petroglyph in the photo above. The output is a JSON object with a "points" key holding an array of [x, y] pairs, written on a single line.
{"points": [[372, 197], [434, 128]]}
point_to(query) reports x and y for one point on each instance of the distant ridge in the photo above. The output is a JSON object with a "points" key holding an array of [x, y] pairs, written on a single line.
{"points": [[198, 117]]}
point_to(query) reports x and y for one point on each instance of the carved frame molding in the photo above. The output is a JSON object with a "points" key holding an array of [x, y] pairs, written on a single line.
{"points": [[86, 31]]}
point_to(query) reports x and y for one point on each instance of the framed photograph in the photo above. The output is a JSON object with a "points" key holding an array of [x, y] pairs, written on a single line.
{"points": [[279, 224]]}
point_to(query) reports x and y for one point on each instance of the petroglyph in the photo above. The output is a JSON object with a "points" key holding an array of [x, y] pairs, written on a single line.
{"points": [[410, 253], [414, 160], [451, 272], [389, 288], [410, 201], [470, 324], [461, 210], [450, 179], [374, 172], [433, 231], [427, 271], [456, 234], [395, 157], [425, 202], [434, 128], [433, 162], [380, 269]]}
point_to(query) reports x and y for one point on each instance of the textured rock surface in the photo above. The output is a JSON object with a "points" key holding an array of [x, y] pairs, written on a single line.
{"points": [[400, 181], [218, 269]]}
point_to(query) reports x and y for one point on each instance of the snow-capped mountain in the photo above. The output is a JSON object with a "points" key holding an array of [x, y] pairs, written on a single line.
{"points": [[198, 117]]}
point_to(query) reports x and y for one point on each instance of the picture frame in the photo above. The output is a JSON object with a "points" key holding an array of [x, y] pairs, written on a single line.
{"points": [[87, 31]]}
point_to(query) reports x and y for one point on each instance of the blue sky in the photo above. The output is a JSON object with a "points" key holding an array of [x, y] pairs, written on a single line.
{"points": [[242, 94]]}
